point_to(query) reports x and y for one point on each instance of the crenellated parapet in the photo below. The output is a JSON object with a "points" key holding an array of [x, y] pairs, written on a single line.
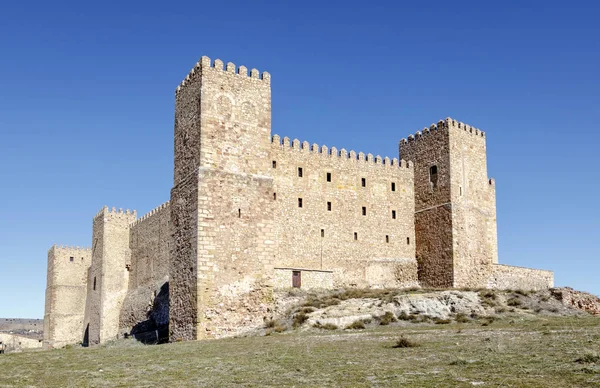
{"points": [[205, 64], [333, 152], [159, 209], [113, 212], [69, 248], [442, 125]]}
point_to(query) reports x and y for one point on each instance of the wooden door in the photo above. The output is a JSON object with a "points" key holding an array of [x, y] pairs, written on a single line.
{"points": [[296, 279]]}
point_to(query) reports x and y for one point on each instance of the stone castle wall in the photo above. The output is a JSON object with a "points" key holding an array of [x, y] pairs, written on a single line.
{"points": [[65, 295], [519, 278], [150, 243], [356, 213]]}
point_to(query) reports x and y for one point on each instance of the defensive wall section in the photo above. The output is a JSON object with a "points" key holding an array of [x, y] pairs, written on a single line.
{"points": [[519, 278], [65, 295], [349, 213], [149, 242]]}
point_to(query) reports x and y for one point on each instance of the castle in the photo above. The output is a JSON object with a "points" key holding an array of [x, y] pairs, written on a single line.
{"points": [[250, 213]]}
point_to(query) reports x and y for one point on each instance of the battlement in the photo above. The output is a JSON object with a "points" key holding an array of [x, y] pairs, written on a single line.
{"points": [[448, 123], [342, 153], [71, 248], [105, 211], [205, 63], [152, 212]]}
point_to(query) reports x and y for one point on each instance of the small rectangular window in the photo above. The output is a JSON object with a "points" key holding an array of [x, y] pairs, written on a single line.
{"points": [[299, 202], [387, 238], [328, 177], [393, 186], [300, 172], [274, 164], [364, 210], [363, 182], [274, 196], [355, 236], [322, 232], [408, 241], [328, 206], [71, 258], [393, 214]]}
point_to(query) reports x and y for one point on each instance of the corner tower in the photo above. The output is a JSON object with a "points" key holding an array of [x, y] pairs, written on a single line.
{"points": [[455, 205], [221, 202]]}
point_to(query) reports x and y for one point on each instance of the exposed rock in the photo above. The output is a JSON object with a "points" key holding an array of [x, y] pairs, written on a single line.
{"points": [[577, 299]]}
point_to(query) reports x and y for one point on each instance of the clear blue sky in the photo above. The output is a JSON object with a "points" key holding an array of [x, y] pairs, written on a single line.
{"points": [[87, 95]]}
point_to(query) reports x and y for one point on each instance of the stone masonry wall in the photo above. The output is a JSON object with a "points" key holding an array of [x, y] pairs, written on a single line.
{"points": [[221, 205], [342, 225], [310, 279], [150, 242], [519, 278], [474, 207], [110, 256], [65, 295], [433, 207]]}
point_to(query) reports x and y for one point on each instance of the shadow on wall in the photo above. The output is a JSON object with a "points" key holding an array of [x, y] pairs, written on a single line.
{"points": [[155, 329]]}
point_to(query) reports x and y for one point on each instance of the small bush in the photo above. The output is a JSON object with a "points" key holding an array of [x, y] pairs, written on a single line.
{"points": [[327, 326], [387, 318], [404, 342], [488, 294], [459, 361], [270, 324], [68, 347], [307, 309], [545, 298], [538, 310], [589, 358], [279, 328], [522, 292], [500, 310], [299, 319], [440, 321], [461, 318], [403, 316], [514, 302], [356, 325]]}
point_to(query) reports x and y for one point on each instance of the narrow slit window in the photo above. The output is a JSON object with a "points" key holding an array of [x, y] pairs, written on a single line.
{"points": [[239, 213], [433, 176], [94, 283], [299, 202], [328, 177], [329, 206], [274, 164], [408, 241], [363, 182], [322, 232], [387, 238], [300, 172], [274, 196], [393, 214], [364, 210], [393, 186], [355, 236]]}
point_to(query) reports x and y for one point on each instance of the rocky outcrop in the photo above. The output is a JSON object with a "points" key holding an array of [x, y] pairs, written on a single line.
{"points": [[577, 299]]}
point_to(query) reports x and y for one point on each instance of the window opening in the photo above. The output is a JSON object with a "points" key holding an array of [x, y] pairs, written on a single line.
{"points": [[355, 236], [322, 232], [300, 172], [328, 177], [71, 258], [387, 238], [94, 283], [433, 176], [274, 164], [393, 214], [274, 196], [328, 206], [408, 240], [299, 202], [363, 182], [239, 213], [393, 186], [364, 211]]}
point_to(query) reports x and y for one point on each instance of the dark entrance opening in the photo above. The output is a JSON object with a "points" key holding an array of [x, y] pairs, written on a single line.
{"points": [[86, 336], [296, 279]]}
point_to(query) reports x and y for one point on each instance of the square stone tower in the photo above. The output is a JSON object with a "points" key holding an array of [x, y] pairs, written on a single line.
{"points": [[221, 203], [455, 205]]}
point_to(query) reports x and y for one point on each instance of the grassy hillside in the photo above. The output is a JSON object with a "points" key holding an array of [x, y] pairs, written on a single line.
{"points": [[513, 350]]}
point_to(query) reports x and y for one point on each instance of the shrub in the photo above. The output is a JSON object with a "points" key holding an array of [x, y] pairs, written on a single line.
{"points": [[327, 326], [441, 321], [488, 321], [545, 298], [521, 292], [403, 316], [299, 319], [488, 294], [270, 324], [500, 310], [279, 328], [387, 318], [404, 342], [356, 325], [461, 318], [514, 302], [459, 361], [307, 309]]}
